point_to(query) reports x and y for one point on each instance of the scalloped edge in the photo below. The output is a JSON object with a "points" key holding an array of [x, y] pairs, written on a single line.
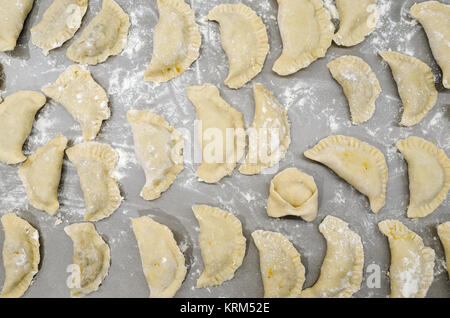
{"points": [[444, 161], [290, 250], [396, 230], [150, 118], [195, 42], [375, 203], [235, 225], [355, 63], [390, 57], [284, 67], [443, 231]]}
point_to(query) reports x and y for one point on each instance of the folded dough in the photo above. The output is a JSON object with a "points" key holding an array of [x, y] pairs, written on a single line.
{"points": [[17, 114], [159, 149], [360, 85], [92, 256], [435, 19], [95, 163], [221, 133], [244, 40], [104, 36], [12, 18], [412, 263], [20, 255], [222, 244], [415, 83], [444, 234], [269, 134], [41, 174], [162, 261], [83, 98], [358, 18], [59, 23], [293, 192], [429, 175], [282, 271], [358, 163], [176, 42], [341, 273], [306, 31]]}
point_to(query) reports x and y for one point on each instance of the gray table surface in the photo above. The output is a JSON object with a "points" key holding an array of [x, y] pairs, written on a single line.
{"points": [[316, 106]]}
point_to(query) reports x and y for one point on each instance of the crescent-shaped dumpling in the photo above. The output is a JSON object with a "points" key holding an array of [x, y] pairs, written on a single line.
{"points": [[357, 19], [162, 261], [221, 133], [269, 134], [20, 255], [412, 263], [435, 19], [59, 23], [429, 175], [12, 18], [17, 114], [360, 85], [358, 163], [104, 36], [282, 271], [341, 273], [92, 257], [244, 39], [222, 244], [95, 163], [159, 149], [41, 174], [293, 192], [176, 42], [444, 235], [415, 83], [306, 31]]}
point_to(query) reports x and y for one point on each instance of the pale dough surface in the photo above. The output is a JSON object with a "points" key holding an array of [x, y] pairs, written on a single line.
{"points": [[12, 17], [444, 234]]}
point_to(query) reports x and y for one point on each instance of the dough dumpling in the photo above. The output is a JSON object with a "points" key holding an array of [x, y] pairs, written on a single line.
{"points": [[12, 17], [444, 235]]}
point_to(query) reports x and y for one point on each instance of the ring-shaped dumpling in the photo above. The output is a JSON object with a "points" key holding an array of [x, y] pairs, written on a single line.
{"points": [[358, 163], [12, 18], [244, 39], [282, 271], [412, 263], [429, 175], [341, 273], [176, 42], [222, 244]]}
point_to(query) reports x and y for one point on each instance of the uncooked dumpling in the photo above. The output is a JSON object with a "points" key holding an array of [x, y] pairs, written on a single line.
{"points": [[83, 98], [159, 149], [17, 114], [444, 234], [412, 263], [41, 174], [59, 23], [221, 133], [91, 256], [360, 85], [162, 261], [357, 19], [222, 244], [306, 31], [429, 175], [106, 35], [341, 273], [244, 40], [435, 19], [293, 192], [282, 271], [269, 134], [358, 163], [20, 255], [12, 17], [415, 83], [176, 41], [95, 164]]}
